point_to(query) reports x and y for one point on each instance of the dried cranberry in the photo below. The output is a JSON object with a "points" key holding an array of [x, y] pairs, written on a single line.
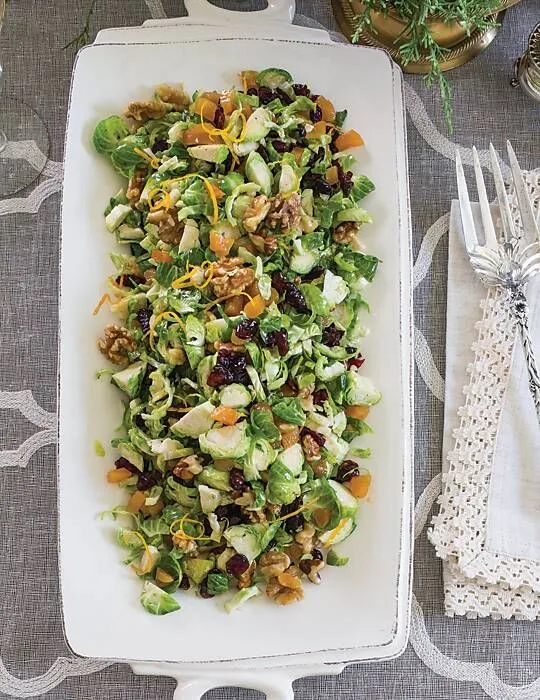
{"points": [[347, 470], [219, 376], [286, 100], [320, 396], [332, 335], [237, 565], [294, 523], [130, 281], [313, 274], [232, 513], [230, 367], [281, 146], [246, 329], [319, 439], [139, 421], [356, 361], [266, 95], [207, 527], [264, 153], [227, 163], [295, 298], [333, 147], [123, 463], [278, 339], [238, 483], [147, 480], [279, 282], [252, 91], [160, 145], [203, 590], [317, 554], [345, 179], [184, 583], [316, 114], [219, 117], [322, 187], [300, 89], [143, 317], [221, 512], [305, 566]]}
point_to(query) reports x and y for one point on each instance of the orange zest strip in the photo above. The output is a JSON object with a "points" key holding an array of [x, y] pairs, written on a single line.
{"points": [[105, 297], [168, 316], [144, 544], [164, 201], [227, 296], [181, 532], [152, 160]]}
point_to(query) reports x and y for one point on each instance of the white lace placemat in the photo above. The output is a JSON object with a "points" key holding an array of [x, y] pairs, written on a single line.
{"points": [[488, 508]]}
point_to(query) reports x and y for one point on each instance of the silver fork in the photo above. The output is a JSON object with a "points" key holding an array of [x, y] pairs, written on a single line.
{"points": [[508, 262]]}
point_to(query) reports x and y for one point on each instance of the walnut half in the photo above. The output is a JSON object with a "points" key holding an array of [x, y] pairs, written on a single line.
{"points": [[116, 343], [285, 212]]}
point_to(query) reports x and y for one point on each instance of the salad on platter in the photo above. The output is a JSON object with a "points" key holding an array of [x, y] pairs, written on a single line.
{"points": [[238, 288]]}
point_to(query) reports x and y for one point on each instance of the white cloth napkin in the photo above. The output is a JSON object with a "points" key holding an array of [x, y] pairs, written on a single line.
{"points": [[488, 527]]}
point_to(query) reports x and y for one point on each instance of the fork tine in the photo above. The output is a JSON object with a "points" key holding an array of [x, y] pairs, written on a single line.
{"points": [[509, 230], [528, 220], [467, 221], [487, 221]]}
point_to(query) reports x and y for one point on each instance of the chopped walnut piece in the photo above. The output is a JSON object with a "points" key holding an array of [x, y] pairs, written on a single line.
{"points": [[116, 343], [256, 212], [188, 467], [312, 567], [312, 452], [173, 96], [270, 244], [170, 230], [285, 212], [346, 232], [230, 276], [285, 588], [290, 434], [295, 552], [136, 185], [143, 110], [184, 544], [257, 517], [305, 537], [234, 305], [272, 564], [245, 580]]}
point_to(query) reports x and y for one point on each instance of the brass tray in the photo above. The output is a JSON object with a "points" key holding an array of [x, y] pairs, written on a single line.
{"points": [[461, 48]]}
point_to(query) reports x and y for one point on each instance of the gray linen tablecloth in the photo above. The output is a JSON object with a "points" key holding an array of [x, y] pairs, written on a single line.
{"points": [[447, 658]]}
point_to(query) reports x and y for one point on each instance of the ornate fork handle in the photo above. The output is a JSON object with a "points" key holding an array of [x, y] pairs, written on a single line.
{"points": [[520, 309]]}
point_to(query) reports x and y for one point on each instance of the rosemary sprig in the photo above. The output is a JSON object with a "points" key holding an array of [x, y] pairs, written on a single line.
{"points": [[416, 42], [83, 36]]}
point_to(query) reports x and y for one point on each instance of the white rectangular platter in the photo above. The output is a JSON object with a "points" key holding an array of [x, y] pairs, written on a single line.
{"points": [[359, 612]]}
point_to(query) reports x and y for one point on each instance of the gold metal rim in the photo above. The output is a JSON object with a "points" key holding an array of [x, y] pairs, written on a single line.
{"points": [[470, 47]]}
